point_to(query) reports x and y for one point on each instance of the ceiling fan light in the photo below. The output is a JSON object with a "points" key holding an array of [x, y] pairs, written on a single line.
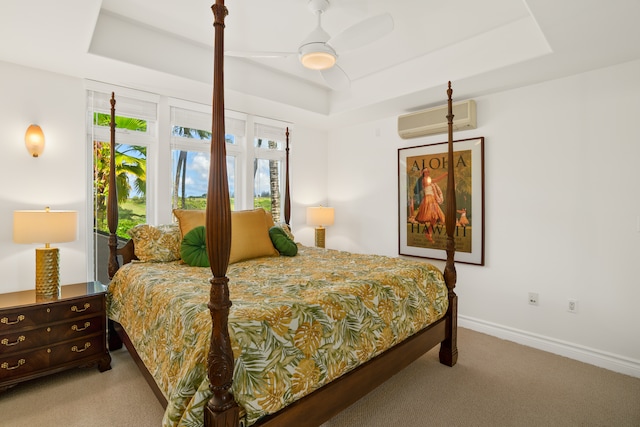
{"points": [[317, 56], [318, 60]]}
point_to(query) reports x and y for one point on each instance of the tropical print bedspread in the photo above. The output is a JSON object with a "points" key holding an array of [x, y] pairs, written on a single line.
{"points": [[296, 323]]}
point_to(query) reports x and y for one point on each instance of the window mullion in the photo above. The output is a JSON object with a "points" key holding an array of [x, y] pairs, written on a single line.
{"points": [[249, 156]]}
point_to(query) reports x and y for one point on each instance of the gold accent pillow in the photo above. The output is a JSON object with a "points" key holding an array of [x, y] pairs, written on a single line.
{"points": [[250, 235], [156, 243], [188, 219], [249, 231]]}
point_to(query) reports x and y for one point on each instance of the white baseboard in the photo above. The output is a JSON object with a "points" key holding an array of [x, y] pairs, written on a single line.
{"points": [[612, 362]]}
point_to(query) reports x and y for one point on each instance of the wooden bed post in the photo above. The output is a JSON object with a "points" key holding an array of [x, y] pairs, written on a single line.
{"points": [[221, 410], [112, 219], [112, 199], [449, 347], [287, 201]]}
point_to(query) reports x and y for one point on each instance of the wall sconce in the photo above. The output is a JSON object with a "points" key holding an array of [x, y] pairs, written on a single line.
{"points": [[34, 140], [320, 217], [46, 226]]}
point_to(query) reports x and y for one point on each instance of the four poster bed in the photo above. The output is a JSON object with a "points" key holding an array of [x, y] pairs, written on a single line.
{"points": [[307, 335]]}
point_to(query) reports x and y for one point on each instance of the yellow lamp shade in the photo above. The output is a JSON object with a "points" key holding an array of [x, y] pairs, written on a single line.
{"points": [[45, 226], [320, 216]]}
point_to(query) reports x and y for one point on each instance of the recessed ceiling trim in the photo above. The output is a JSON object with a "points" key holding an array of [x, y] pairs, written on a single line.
{"points": [[158, 50]]}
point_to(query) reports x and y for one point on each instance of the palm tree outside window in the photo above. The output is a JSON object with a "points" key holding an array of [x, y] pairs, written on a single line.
{"points": [[131, 177]]}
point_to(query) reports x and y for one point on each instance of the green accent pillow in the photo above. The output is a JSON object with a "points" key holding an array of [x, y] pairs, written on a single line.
{"points": [[282, 242], [193, 249]]}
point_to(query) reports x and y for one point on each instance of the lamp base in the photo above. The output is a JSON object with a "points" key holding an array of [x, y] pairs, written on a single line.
{"points": [[320, 232], [47, 273]]}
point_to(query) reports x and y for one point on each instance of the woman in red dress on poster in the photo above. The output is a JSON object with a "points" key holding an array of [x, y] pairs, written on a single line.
{"points": [[429, 195]]}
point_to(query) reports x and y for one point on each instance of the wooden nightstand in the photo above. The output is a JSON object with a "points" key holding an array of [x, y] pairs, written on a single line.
{"points": [[42, 337]]}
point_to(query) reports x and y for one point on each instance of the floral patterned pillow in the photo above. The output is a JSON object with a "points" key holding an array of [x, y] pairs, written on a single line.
{"points": [[159, 243]]}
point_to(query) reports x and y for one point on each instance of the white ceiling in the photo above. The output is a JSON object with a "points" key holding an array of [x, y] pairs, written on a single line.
{"points": [[165, 46]]}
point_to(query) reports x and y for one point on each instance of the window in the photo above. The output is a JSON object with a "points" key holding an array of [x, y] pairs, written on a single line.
{"points": [[190, 156], [135, 132], [131, 166], [178, 160], [136, 136], [268, 176], [255, 158]]}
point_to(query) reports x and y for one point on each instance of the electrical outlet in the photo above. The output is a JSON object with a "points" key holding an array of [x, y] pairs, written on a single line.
{"points": [[572, 306], [533, 298]]}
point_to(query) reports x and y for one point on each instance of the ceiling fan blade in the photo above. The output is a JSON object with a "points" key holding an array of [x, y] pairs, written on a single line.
{"points": [[362, 33], [249, 54], [336, 78]]}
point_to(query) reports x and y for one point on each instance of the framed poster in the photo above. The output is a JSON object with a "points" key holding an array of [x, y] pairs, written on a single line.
{"points": [[422, 189]]}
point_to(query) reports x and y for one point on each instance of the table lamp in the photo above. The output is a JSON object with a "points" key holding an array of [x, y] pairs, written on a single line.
{"points": [[320, 217], [45, 226]]}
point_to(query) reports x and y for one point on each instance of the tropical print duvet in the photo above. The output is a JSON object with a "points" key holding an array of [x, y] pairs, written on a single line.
{"points": [[296, 323]]}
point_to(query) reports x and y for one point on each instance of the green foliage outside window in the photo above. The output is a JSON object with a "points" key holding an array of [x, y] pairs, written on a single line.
{"points": [[131, 177]]}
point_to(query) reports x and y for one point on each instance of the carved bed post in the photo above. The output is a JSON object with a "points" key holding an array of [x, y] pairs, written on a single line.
{"points": [[287, 201], [112, 199], [221, 410], [126, 252], [449, 347], [112, 218]]}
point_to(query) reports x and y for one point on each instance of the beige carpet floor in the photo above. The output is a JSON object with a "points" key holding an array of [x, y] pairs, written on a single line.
{"points": [[495, 383]]}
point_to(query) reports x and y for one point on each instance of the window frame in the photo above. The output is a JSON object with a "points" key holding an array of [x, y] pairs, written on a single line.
{"points": [[233, 121], [270, 127], [128, 104], [160, 143]]}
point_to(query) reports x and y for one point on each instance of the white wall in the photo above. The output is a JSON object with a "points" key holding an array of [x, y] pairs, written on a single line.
{"points": [[555, 223], [308, 177], [54, 179]]}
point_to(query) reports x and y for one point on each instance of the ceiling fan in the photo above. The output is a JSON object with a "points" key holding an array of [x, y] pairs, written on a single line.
{"points": [[319, 51]]}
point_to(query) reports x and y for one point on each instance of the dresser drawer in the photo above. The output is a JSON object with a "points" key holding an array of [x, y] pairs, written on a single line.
{"points": [[23, 340], [20, 364], [77, 349], [76, 329], [29, 317], [16, 319], [76, 308]]}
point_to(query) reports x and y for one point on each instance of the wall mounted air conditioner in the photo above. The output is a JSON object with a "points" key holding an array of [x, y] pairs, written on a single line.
{"points": [[434, 120]]}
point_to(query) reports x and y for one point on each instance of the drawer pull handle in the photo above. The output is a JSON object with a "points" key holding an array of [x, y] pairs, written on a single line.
{"points": [[6, 342], [78, 329], [75, 348], [80, 310], [6, 320], [6, 366]]}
